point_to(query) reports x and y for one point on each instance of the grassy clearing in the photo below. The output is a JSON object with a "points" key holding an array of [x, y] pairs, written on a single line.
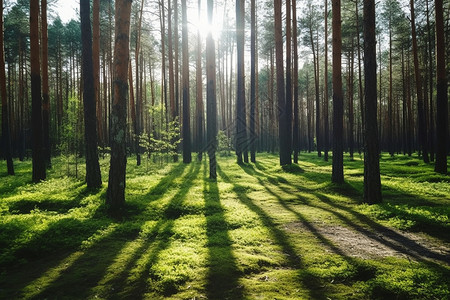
{"points": [[259, 232]]}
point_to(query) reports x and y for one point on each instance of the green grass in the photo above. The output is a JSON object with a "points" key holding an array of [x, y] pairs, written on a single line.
{"points": [[259, 232]]}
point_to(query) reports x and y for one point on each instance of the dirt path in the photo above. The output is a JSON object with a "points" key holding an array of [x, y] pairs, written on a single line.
{"points": [[369, 244]]}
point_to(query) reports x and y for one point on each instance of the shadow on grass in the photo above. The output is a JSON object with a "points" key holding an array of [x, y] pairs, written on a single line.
{"points": [[294, 261], [382, 234], [223, 273], [25, 206], [379, 233], [362, 271], [87, 270]]}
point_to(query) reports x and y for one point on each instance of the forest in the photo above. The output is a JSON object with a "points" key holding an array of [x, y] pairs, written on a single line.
{"points": [[189, 149]]}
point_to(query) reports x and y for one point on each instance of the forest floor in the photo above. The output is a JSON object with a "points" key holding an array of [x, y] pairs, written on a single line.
{"points": [[259, 232]]}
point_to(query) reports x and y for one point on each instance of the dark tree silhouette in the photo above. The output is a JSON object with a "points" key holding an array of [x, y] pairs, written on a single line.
{"points": [[5, 119], [372, 183], [38, 159], [93, 174], [241, 130], [187, 157], [442, 96], [338, 105], [211, 104]]}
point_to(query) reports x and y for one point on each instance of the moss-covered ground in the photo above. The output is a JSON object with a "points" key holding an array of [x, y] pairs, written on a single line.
{"points": [[259, 232]]}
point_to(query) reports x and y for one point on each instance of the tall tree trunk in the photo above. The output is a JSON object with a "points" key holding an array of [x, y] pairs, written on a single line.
{"points": [[45, 95], [39, 172], [6, 134], [326, 126], [96, 67], [285, 157], [296, 129], [186, 100], [420, 102], [288, 80], [176, 58], [241, 131], [351, 115], [199, 92], [115, 198], [372, 182], [211, 103], [390, 129], [93, 175], [360, 81], [138, 95], [338, 105], [252, 81], [171, 71], [442, 96], [431, 135]]}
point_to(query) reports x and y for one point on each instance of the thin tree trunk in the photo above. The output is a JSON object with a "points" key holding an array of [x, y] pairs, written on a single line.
{"points": [[39, 172], [186, 101], [285, 158], [296, 129], [199, 92], [338, 105], [211, 103], [431, 134], [372, 182], [288, 129], [252, 81], [420, 102], [326, 129], [6, 134], [93, 175], [45, 94], [442, 96], [96, 66], [241, 134]]}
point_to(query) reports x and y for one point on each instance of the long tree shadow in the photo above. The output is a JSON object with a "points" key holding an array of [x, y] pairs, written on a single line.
{"points": [[294, 261], [395, 240], [383, 234], [223, 273], [376, 232], [362, 272], [81, 271]]}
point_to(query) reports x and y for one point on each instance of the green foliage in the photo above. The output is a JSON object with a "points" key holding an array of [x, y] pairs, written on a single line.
{"points": [[259, 232], [71, 137], [163, 141], [224, 145]]}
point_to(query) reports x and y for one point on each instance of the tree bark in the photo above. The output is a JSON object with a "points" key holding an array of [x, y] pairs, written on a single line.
{"points": [[442, 96], [326, 126], [338, 105], [45, 94], [38, 158], [93, 175], [211, 102], [296, 129], [115, 198], [285, 157], [241, 131], [372, 182], [186, 99], [96, 66], [6, 134], [420, 102], [199, 92], [252, 81]]}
